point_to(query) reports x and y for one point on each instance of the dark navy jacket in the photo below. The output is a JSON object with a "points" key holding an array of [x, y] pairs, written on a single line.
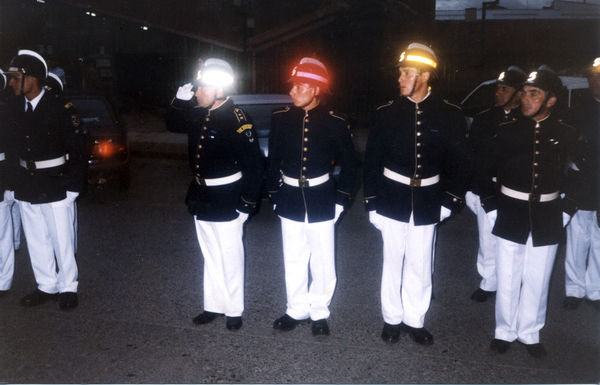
{"points": [[306, 144], [417, 140], [222, 142], [52, 130], [485, 126], [584, 183], [531, 160]]}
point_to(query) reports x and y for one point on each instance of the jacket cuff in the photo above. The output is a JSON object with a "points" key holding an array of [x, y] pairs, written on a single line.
{"points": [[370, 203], [489, 203], [569, 206], [342, 198], [245, 207]]}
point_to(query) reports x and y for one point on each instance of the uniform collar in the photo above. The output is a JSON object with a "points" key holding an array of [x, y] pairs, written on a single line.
{"points": [[35, 100]]}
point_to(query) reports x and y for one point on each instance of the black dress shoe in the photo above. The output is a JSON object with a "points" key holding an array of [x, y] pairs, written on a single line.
{"points": [[594, 303], [536, 350], [287, 323], [38, 297], [205, 317], [234, 323], [68, 301], [572, 303], [481, 295], [419, 335], [390, 333], [500, 346], [320, 328]]}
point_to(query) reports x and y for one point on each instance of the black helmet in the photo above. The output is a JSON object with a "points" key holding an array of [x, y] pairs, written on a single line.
{"points": [[513, 77], [29, 63], [545, 79], [53, 84]]}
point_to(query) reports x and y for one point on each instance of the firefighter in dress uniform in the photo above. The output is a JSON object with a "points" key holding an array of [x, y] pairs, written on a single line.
{"points": [[48, 144], [304, 141], [7, 250], [528, 215], [227, 165], [416, 170], [507, 100], [582, 260]]}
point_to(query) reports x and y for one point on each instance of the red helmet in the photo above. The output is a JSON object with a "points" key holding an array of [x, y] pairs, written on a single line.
{"points": [[311, 71]]}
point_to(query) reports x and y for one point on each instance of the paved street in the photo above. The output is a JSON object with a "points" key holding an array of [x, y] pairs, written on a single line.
{"points": [[141, 285]]}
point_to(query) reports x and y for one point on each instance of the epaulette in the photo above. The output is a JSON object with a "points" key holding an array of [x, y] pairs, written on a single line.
{"points": [[482, 112], [69, 105], [282, 109], [239, 114], [338, 115], [453, 105], [385, 105], [509, 122], [565, 124]]}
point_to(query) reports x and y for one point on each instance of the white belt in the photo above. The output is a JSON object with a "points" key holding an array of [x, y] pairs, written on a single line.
{"points": [[2, 156], [33, 165], [219, 181], [529, 197], [410, 181], [312, 182]]}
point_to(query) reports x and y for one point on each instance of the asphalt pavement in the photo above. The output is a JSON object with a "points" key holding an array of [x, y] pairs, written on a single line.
{"points": [[140, 287]]}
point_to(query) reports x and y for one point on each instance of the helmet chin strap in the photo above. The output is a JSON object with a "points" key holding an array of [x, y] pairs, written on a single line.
{"points": [[510, 100], [541, 107]]}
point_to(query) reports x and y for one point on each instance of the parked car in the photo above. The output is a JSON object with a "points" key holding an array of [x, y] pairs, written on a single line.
{"points": [[482, 97], [108, 146]]}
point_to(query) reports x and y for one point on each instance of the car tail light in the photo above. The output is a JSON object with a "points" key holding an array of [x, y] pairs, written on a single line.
{"points": [[107, 148]]}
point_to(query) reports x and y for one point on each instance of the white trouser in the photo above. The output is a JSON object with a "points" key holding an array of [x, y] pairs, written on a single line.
{"points": [[223, 250], [522, 298], [583, 245], [7, 250], [407, 268], [50, 234], [309, 246], [486, 255]]}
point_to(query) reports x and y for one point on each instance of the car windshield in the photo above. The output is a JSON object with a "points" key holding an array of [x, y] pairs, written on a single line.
{"points": [[93, 112]]}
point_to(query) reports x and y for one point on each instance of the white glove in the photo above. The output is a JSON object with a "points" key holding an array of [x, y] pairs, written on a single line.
{"points": [[566, 219], [445, 213], [242, 216], [491, 216], [71, 196], [338, 212], [185, 92]]}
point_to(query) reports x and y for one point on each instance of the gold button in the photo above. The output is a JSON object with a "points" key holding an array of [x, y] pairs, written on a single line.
{"points": [[537, 142], [197, 156], [304, 159], [418, 134], [536, 175], [305, 149], [537, 153], [306, 139], [303, 168], [454, 200], [418, 123], [197, 166], [418, 144], [417, 175], [366, 201], [303, 177], [201, 136], [418, 155], [306, 130], [200, 146], [535, 163], [419, 166], [535, 186], [204, 128]]}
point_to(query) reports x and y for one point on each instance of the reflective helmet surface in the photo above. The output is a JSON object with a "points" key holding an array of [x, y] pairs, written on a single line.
{"points": [[216, 73], [545, 79], [311, 71], [418, 56], [29, 63], [513, 77]]}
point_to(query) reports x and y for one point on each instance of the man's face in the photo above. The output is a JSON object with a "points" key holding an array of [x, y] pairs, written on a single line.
{"points": [[594, 81], [14, 80], [504, 94], [206, 96], [532, 101], [409, 80], [304, 95]]}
